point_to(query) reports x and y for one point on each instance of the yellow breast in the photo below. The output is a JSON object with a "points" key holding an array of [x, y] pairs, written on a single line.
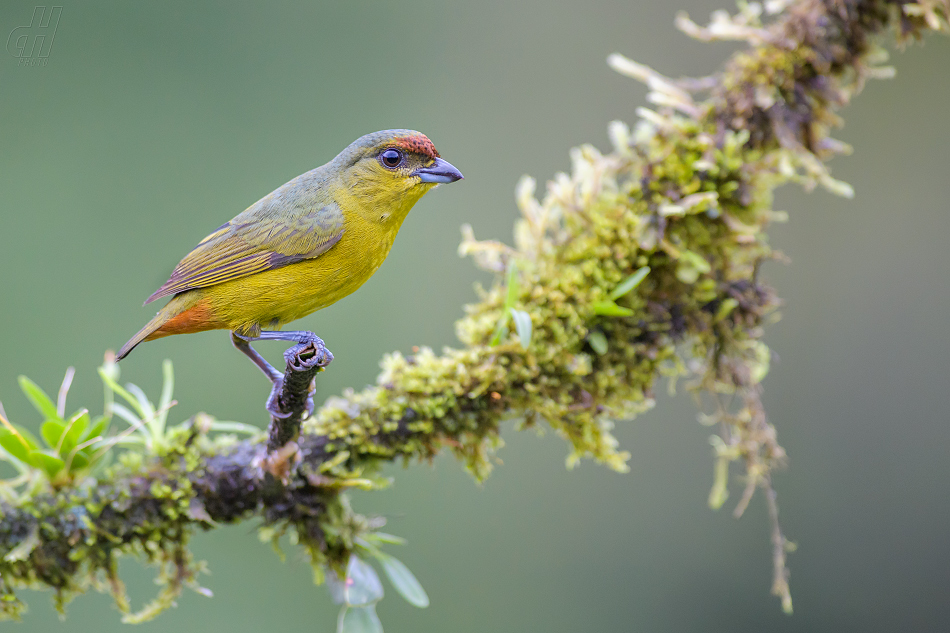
{"points": [[270, 299]]}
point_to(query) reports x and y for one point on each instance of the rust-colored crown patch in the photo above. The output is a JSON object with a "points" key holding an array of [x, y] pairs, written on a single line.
{"points": [[419, 143]]}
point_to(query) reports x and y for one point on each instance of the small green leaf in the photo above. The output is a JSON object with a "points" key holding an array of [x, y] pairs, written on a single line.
{"points": [[598, 341], [404, 582], [144, 404], [362, 583], [52, 431], [79, 461], [383, 537], [106, 373], [75, 429], [29, 437], [522, 325], [609, 308], [511, 297], [48, 461], [359, 620], [15, 445], [97, 429], [501, 330], [720, 488], [126, 414], [360, 587], [102, 461], [236, 427], [64, 391], [630, 283], [165, 400], [39, 399]]}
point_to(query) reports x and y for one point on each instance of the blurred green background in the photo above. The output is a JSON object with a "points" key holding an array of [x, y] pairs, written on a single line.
{"points": [[151, 125]]}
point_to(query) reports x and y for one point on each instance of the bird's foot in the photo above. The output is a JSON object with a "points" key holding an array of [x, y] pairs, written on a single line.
{"points": [[273, 403], [273, 400], [308, 353]]}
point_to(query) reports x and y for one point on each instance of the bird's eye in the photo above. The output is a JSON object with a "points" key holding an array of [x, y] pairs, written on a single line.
{"points": [[391, 158]]}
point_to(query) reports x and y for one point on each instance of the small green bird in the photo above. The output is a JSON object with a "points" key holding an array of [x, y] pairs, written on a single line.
{"points": [[301, 248]]}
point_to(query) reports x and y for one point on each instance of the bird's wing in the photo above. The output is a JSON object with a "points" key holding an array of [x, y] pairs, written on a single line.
{"points": [[252, 243]]}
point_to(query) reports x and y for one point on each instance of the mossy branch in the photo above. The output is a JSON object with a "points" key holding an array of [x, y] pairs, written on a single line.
{"points": [[641, 263]]}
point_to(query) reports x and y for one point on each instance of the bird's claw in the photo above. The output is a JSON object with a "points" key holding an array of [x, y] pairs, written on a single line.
{"points": [[273, 401], [308, 410], [308, 354]]}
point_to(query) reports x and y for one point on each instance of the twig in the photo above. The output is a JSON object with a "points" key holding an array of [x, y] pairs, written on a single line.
{"points": [[295, 401], [779, 550]]}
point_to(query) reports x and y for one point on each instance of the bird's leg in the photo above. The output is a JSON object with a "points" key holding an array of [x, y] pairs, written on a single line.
{"points": [[308, 354], [243, 343]]}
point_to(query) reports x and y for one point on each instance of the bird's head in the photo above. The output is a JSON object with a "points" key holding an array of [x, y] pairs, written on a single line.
{"points": [[387, 172]]}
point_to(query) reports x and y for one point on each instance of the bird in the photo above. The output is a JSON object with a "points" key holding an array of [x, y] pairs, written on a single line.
{"points": [[299, 249]]}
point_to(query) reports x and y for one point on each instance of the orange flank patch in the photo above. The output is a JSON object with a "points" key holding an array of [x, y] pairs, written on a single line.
{"points": [[197, 318], [419, 144]]}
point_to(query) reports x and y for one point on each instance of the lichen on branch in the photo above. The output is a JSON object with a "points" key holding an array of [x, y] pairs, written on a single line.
{"points": [[640, 264]]}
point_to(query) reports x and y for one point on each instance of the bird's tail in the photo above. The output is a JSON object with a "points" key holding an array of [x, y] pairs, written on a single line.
{"points": [[184, 314]]}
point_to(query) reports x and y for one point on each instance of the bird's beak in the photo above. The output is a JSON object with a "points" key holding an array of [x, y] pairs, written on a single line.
{"points": [[441, 171]]}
